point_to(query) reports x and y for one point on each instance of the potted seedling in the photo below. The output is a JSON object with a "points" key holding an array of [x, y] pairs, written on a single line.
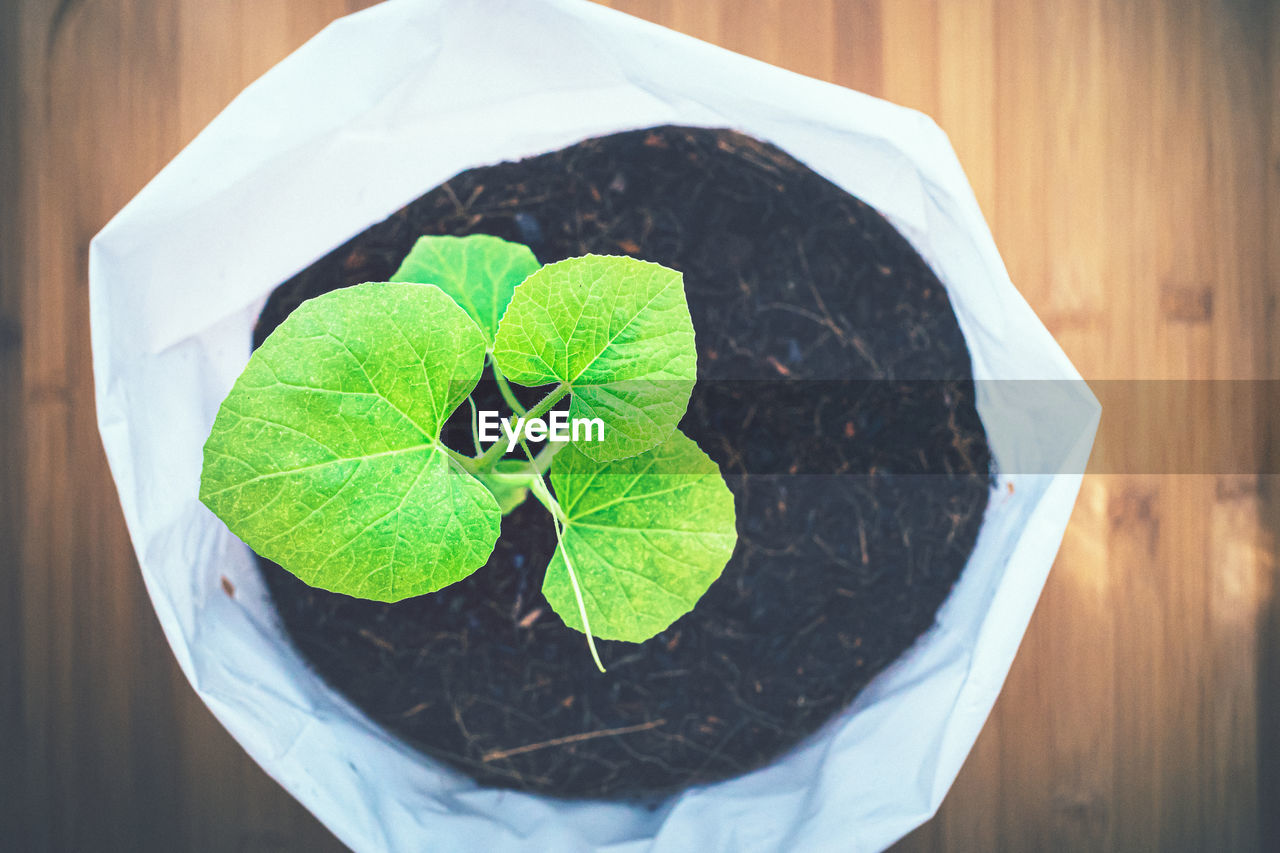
{"points": [[820, 383], [327, 457], [793, 527]]}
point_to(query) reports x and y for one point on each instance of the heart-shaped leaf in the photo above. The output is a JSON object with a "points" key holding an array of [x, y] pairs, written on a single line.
{"points": [[325, 457], [480, 272], [646, 537], [617, 331]]}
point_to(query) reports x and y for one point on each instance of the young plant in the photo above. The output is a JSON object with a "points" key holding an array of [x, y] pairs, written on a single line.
{"points": [[326, 456]]}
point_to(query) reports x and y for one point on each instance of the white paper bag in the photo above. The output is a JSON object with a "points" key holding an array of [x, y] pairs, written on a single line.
{"points": [[375, 110]]}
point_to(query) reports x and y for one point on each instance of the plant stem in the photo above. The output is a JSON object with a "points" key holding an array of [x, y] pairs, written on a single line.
{"points": [[505, 388], [542, 461], [465, 462], [577, 593], [539, 488], [475, 425], [499, 447], [544, 496]]}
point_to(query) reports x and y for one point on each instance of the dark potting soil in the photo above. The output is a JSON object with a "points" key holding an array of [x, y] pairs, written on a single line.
{"points": [[834, 390]]}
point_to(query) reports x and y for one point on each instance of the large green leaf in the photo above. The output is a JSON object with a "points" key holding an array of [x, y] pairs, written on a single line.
{"points": [[617, 331], [480, 273], [325, 457], [646, 537]]}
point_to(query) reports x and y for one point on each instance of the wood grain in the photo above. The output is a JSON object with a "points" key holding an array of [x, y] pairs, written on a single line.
{"points": [[1127, 156]]}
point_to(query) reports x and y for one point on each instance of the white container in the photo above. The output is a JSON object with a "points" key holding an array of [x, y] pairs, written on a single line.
{"points": [[372, 112]]}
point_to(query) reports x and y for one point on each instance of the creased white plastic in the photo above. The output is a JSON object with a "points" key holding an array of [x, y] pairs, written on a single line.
{"points": [[375, 110]]}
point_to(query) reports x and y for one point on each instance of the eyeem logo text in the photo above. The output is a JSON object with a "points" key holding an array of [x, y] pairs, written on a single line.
{"points": [[557, 427]]}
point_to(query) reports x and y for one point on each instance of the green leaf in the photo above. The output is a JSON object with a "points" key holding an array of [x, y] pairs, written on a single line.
{"points": [[616, 331], [480, 273], [646, 537], [325, 457]]}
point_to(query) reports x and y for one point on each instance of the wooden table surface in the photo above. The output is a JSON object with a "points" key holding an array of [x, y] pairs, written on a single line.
{"points": [[1127, 157]]}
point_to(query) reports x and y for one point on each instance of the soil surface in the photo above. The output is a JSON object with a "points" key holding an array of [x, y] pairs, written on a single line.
{"points": [[834, 389]]}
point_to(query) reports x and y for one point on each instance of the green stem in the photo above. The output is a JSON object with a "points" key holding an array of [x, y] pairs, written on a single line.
{"points": [[542, 461], [544, 496], [539, 488], [577, 593], [475, 425], [465, 462], [499, 447], [505, 388]]}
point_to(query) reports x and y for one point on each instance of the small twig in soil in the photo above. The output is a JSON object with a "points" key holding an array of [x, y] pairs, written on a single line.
{"points": [[499, 754], [453, 197], [376, 640], [530, 617], [831, 553]]}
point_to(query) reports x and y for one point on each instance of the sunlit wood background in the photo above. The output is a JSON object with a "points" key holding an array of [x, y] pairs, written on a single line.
{"points": [[1127, 156]]}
